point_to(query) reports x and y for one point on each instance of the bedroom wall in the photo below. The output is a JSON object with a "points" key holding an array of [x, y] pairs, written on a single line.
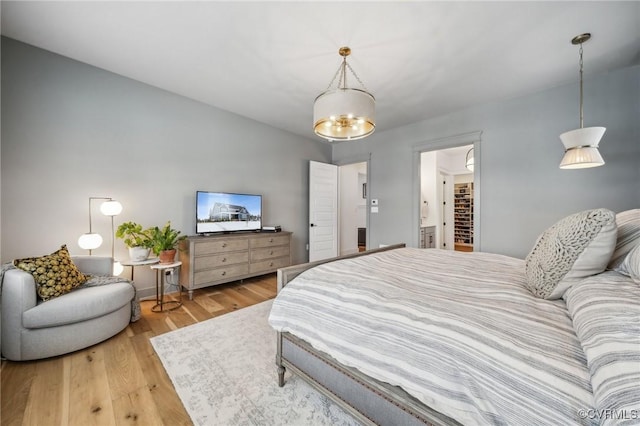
{"points": [[71, 131], [522, 189]]}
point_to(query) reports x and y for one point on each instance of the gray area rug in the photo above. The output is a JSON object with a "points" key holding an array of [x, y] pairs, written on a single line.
{"points": [[223, 370]]}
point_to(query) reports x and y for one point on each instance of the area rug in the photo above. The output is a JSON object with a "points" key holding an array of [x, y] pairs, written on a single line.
{"points": [[224, 372]]}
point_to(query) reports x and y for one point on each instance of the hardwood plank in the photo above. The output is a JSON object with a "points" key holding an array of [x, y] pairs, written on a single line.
{"points": [[180, 317], [209, 304], [89, 389], [155, 320], [121, 362], [248, 294], [16, 381], [167, 402], [49, 375], [195, 309], [242, 297], [136, 408], [260, 290]]}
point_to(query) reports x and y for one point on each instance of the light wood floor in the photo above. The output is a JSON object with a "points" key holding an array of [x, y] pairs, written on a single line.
{"points": [[120, 381]]}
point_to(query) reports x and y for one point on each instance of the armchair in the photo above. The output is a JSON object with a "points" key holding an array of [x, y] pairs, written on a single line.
{"points": [[32, 329]]}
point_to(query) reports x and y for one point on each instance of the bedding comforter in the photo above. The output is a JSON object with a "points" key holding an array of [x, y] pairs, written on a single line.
{"points": [[458, 331]]}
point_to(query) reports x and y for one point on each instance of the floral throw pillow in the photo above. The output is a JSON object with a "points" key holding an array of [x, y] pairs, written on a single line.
{"points": [[54, 274]]}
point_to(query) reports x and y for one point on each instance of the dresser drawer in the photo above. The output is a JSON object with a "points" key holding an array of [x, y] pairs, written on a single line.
{"points": [[269, 241], [269, 253], [217, 246], [217, 260], [225, 273], [269, 265]]}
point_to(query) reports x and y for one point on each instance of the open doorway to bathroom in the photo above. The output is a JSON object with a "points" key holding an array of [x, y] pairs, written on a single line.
{"points": [[447, 199], [352, 207]]}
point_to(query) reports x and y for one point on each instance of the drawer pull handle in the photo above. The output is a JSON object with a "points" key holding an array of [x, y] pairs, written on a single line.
{"points": [[224, 259], [224, 245], [224, 273], [270, 240], [270, 263], [271, 252]]}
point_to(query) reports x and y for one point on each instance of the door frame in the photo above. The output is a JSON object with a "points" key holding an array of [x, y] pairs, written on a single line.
{"points": [[361, 158], [471, 138]]}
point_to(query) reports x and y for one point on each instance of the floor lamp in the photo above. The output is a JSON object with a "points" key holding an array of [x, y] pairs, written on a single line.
{"points": [[91, 241]]}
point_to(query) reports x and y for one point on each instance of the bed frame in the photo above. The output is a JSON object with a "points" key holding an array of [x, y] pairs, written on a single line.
{"points": [[368, 400]]}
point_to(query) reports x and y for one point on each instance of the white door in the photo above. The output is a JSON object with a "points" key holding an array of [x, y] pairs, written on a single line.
{"points": [[323, 211]]}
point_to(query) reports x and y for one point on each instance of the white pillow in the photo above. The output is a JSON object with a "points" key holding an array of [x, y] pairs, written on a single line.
{"points": [[628, 236], [577, 246], [631, 264]]}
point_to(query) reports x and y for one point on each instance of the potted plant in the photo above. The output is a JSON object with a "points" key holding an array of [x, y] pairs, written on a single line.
{"points": [[165, 240], [138, 240]]}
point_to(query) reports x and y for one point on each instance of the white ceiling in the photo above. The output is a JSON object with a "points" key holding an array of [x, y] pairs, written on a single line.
{"points": [[269, 60]]}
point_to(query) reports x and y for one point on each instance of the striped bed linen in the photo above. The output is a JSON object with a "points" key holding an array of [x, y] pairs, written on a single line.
{"points": [[605, 309], [458, 331]]}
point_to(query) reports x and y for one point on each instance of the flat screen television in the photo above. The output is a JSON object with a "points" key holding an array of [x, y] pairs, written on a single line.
{"points": [[227, 212]]}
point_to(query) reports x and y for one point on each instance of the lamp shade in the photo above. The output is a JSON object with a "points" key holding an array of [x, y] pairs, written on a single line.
{"points": [[90, 241], [469, 163], [581, 148], [117, 268], [344, 114], [111, 208]]}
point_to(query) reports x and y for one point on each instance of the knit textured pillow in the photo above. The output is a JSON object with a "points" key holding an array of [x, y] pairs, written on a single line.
{"points": [[54, 274], [628, 237], [577, 246]]}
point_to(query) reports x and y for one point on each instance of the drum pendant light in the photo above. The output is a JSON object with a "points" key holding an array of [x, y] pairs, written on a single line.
{"points": [[344, 113]]}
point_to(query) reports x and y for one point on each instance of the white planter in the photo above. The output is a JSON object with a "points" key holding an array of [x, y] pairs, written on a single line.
{"points": [[138, 254]]}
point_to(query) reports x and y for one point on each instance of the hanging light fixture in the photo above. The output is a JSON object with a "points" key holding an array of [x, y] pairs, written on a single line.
{"points": [[581, 145], [344, 113], [469, 161]]}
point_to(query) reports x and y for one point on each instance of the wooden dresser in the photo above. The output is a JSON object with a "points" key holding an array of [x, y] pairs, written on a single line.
{"points": [[222, 258]]}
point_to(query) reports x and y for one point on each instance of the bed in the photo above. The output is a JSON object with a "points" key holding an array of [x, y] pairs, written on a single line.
{"points": [[426, 336]]}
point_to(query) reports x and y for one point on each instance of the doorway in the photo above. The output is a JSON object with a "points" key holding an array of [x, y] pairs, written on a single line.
{"points": [[338, 208], [443, 188], [352, 210]]}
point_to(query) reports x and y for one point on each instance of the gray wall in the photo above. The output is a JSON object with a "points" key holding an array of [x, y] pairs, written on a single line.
{"points": [[71, 131], [522, 190]]}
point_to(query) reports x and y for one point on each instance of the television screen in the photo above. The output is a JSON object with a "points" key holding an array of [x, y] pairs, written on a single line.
{"points": [[227, 212]]}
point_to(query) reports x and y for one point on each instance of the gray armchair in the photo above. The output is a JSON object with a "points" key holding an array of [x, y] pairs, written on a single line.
{"points": [[32, 329]]}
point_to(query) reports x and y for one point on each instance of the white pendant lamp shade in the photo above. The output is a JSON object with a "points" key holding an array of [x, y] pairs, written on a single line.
{"points": [[581, 148], [90, 241], [581, 145], [469, 163], [344, 114], [111, 208]]}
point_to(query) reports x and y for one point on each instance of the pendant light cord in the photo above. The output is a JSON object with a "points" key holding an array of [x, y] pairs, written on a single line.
{"points": [[581, 94]]}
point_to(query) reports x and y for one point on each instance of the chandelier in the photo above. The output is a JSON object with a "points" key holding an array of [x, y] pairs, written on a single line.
{"points": [[581, 145], [343, 113]]}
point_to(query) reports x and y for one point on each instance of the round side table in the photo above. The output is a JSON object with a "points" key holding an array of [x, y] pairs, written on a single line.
{"points": [[134, 263], [161, 269]]}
